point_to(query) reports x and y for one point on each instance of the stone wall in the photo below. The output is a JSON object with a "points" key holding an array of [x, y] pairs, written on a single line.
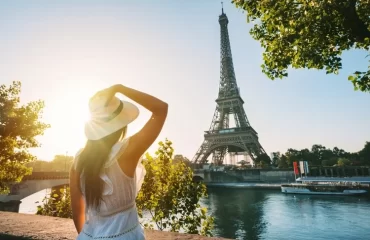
{"points": [[219, 177], [11, 206], [248, 175], [26, 226], [277, 176]]}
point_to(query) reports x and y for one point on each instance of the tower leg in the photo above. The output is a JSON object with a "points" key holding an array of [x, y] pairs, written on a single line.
{"points": [[219, 155], [200, 155]]}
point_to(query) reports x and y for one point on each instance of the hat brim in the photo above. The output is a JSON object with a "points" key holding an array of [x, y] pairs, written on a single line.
{"points": [[97, 130]]}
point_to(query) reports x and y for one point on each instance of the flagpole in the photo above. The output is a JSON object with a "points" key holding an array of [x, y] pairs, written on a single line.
{"points": [[295, 170]]}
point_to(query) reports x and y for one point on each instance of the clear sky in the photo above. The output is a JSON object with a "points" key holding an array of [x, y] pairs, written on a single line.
{"points": [[63, 51]]}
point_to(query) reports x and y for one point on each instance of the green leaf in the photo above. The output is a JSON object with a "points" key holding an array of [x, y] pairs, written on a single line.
{"points": [[308, 34], [23, 121]]}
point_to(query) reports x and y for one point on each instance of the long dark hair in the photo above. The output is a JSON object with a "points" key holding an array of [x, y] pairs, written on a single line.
{"points": [[90, 163]]}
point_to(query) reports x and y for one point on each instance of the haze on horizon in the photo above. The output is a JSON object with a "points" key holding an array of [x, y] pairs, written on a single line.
{"points": [[63, 52]]}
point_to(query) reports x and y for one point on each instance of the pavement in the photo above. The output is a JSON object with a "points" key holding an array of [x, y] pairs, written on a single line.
{"points": [[27, 226]]}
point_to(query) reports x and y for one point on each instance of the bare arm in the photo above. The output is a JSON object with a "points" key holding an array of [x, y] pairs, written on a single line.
{"points": [[77, 202], [142, 140]]}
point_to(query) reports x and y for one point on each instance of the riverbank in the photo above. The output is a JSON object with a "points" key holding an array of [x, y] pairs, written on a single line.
{"points": [[244, 185], [25, 226]]}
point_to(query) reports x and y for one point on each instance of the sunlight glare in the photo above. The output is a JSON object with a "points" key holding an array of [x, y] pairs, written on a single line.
{"points": [[67, 111]]}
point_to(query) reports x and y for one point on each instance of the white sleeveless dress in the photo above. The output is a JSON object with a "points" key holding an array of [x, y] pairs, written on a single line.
{"points": [[117, 218]]}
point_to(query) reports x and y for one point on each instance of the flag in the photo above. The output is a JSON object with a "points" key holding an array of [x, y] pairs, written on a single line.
{"points": [[295, 166], [306, 167], [301, 166]]}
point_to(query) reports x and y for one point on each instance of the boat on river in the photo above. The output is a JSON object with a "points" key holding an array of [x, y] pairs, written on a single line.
{"points": [[328, 186]]}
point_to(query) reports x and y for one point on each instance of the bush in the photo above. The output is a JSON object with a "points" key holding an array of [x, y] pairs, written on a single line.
{"points": [[168, 194]]}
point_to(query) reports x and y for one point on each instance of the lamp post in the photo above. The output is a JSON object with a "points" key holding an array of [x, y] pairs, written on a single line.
{"points": [[65, 162]]}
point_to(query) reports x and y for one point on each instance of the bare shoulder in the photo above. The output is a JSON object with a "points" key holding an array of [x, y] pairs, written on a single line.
{"points": [[128, 159], [140, 142]]}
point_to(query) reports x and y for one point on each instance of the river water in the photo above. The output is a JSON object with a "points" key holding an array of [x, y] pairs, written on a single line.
{"points": [[265, 214]]}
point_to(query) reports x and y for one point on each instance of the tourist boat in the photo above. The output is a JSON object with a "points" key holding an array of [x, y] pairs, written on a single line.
{"points": [[328, 186]]}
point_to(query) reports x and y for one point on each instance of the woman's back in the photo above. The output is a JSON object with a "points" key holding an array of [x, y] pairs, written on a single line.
{"points": [[116, 217], [103, 206]]}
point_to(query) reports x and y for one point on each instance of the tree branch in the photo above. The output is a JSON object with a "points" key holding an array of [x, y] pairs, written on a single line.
{"points": [[353, 22], [156, 221]]}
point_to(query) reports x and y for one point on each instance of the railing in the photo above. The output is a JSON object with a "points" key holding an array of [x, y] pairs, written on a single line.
{"points": [[230, 130]]}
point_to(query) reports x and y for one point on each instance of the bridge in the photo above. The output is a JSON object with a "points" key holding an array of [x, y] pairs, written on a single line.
{"points": [[31, 184]]}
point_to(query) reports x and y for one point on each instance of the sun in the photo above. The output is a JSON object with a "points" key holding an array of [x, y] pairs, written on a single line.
{"points": [[66, 112]]}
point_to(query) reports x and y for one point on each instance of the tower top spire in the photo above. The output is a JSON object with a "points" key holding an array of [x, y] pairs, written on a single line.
{"points": [[222, 7]]}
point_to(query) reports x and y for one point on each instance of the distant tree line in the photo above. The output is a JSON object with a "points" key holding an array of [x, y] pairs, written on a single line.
{"points": [[60, 163], [319, 155]]}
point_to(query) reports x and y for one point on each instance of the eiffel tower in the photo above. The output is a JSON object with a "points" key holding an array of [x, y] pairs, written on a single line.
{"points": [[220, 139]]}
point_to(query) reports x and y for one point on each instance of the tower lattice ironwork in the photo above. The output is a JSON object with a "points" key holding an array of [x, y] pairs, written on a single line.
{"points": [[220, 139]]}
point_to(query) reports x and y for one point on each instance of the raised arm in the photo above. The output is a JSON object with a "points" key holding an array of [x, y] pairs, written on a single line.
{"points": [[142, 140]]}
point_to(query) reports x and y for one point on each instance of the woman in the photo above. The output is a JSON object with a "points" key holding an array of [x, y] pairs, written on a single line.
{"points": [[106, 174]]}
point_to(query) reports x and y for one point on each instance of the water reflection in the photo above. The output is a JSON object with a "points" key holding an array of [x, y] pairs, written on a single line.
{"points": [[238, 214], [30, 203], [272, 215], [261, 214]]}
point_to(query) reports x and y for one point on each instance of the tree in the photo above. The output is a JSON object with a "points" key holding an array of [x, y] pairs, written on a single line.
{"points": [[307, 155], [317, 151], [243, 164], [309, 34], [61, 163], [275, 159], [180, 158], [292, 155], [19, 125], [329, 162], [343, 162], [56, 204], [168, 195], [263, 160], [283, 163], [364, 154], [340, 152]]}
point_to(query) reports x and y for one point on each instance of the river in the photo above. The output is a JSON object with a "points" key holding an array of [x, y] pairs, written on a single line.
{"points": [[265, 214]]}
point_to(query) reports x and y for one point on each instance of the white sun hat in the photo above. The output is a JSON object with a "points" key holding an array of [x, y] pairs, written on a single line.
{"points": [[107, 118]]}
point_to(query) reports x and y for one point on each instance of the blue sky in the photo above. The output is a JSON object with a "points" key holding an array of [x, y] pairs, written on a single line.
{"points": [[64, 51]]}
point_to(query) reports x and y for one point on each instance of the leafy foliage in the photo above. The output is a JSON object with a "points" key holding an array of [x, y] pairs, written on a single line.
{"points": [[59, 163], [309, 34], [180, 158], [19, 125], [170, 196], [244, 164], [320, 155], [56, 204], [364, 154], [263, 161], [282, 162], [343, 162]]}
